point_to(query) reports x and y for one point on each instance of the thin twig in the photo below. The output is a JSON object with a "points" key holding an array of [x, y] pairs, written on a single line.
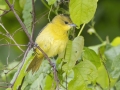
{"points": [[98, 36], [46, 5], [13, 45], [49, 13], [1, 39], [22, 63], [13, 67], [30, 22], [56, 77], [52, 64], [4, 12], [46, 56], [19, 20], [11, 37], [5, 35], [8, 53], [6, 78], [33, 18], [19, 29], [18, 57], [4, 86], [41, 17], [4, 83]]}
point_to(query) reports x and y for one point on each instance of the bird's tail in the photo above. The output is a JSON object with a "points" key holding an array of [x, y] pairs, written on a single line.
{"points": [[35, 64]]}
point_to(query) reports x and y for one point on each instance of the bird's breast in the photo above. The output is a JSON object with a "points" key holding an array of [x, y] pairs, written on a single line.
{"points": [[57, 47]]}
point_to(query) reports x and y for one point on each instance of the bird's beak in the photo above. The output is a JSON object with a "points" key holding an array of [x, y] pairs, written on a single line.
{"points": [[72, 25]]}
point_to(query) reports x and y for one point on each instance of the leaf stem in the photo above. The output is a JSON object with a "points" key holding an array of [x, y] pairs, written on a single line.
{"points": [[47, 6], [43, 1], [97, 35], [49, 13], [81, 29]]}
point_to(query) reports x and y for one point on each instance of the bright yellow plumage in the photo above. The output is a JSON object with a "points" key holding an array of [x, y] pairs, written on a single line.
{"points": [[52, 40]]}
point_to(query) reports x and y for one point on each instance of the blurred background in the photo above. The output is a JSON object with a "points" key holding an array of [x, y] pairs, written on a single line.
{"points": [[107, 23]]}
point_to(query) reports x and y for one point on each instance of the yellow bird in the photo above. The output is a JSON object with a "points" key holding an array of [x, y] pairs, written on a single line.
{"points": [[52, 40]]}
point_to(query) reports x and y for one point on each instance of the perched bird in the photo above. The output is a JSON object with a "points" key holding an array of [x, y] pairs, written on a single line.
{"points": [[52, 40]]}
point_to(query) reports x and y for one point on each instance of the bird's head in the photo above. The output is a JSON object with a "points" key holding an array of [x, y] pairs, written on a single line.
{"points": [[63, 21]]}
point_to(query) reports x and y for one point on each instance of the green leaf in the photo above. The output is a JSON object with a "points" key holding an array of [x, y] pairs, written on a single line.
{"points": [[22, 72], [27, 16], [115, 67], [82, 11], [85, 74], [11, 73], [90, 55], [49, 83], [116, 41], [103, 79], [98, 47], [38, 77], [50, 2], [66, 78], [117, 85], [113, 61], [73, 52]]}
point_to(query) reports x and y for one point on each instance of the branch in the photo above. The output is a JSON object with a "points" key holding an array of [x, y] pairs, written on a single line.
{"points": [[4, 86], [19, 20], [22, 63], [37, 21], [8, 35], [8, 53], [15, 65], [52, 64], [19, 29], [13, 45], [33, 17], [47, 6], [4, 12]]}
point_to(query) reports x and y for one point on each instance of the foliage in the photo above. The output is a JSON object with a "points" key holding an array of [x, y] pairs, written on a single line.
{"points": [[80, 68], [73, 53], [27, 15], [22, 71], [85, 10]]}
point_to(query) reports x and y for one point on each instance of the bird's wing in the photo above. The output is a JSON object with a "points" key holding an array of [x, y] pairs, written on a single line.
{"points": [[44, 41]]}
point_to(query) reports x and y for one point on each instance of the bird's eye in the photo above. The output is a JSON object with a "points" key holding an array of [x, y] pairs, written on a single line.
{"points": [[66, 22]]}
